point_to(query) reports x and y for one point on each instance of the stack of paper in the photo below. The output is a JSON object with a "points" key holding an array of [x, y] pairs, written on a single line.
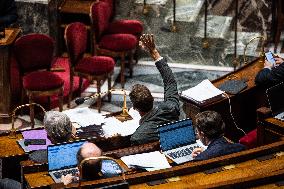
{"points": [[113, 126], [150, 161], [84, 116], [201, 92]]}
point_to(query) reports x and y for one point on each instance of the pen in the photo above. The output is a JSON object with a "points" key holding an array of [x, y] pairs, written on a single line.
{"points": [[140, 167]]}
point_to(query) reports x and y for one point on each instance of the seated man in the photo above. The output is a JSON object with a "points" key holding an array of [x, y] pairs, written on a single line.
{"points": [[271, 74], [59, 129], [142, 99], [90, 169], [210, 130]]}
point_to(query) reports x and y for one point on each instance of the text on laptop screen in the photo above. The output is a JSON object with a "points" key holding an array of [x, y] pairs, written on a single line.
{"points": [[63, 155], [174, 135]]}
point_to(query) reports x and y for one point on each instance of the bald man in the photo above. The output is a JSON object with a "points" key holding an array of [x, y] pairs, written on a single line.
{"points": [[90, 169]]}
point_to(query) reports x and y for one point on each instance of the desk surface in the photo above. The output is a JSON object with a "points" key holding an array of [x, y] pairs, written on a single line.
{"points": [[240, 170], [275, 122], [10, 147], [10, 36], [76, 7]]}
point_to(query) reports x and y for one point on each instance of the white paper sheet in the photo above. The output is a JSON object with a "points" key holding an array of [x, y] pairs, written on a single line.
{"points": [[150, 161], [203, 91], [84, 116]]}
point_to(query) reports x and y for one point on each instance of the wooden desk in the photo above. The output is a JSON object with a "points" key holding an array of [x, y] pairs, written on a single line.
{"points": [[270, 130], [245, 160], [243, 105], [5, 75], [36, 175], [11, 154], [251, 168]]}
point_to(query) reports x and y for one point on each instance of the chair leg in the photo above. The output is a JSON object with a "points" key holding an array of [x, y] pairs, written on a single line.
{"points": [[22, 99], [71, 91], [32, 113], [60, 100], [277, 37], [131, 64], [99, 101], [80, 85], [109, 87], [122, 68]]}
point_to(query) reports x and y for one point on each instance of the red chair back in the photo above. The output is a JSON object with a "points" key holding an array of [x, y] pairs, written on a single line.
{"points": [[76, 41], [110, 6], [100, 16], [34, 52]]}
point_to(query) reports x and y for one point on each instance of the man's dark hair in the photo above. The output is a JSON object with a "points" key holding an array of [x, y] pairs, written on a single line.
{"points": [[141, 98], [210, 123]]}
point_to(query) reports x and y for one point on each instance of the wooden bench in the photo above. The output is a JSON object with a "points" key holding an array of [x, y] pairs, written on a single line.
{"points": [[244, 161]]}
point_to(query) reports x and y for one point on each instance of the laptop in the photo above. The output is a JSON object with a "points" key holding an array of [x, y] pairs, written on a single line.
{"points": [[275, 96], [62, 159], [177, 140]]}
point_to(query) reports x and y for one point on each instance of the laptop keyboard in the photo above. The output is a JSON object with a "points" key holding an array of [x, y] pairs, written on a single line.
{"points": [[60, 173], [182, 152]]}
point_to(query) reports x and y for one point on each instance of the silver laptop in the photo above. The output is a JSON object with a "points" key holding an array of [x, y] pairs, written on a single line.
{"points": [[62, 159], [177, 140], [275, 96]]}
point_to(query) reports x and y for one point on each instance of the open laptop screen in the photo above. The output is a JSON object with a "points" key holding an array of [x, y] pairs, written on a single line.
{"points": [[275, 97], [176, 134], [63, 155]]}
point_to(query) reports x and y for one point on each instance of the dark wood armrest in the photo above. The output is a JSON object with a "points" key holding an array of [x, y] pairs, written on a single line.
{"points": [[263, 113]]}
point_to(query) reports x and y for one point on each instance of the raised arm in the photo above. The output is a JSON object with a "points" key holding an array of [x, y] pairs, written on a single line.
{"points": [[170, 86]]}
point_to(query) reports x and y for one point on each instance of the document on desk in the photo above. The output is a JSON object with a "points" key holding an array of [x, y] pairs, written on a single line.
{"points": [[84, 116], [150, 161], [34, 134], [113, 126], [201, 92]]}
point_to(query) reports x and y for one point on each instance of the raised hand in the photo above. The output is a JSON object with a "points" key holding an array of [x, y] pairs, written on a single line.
{"points": [[147, 42]]}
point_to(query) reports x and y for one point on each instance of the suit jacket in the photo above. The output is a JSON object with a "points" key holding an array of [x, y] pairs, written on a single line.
{"points": [[8, 12], [270, 77], [165, 112], [220, 147]]}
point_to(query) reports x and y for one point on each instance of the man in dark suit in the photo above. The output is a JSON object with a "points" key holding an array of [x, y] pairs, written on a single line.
{"points": [[8, 12], [210, 129], [271, 73], [142, 100]]}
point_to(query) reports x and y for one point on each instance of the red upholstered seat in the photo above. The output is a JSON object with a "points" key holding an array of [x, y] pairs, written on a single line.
{"points": [[96, 65], [250, 139], [118, 42], [109, 43], [42, 81], [98, 68], [34, 53], [134, 27]]}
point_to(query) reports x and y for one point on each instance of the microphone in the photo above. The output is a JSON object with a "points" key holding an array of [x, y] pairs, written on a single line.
{"points": [[81, 100]]}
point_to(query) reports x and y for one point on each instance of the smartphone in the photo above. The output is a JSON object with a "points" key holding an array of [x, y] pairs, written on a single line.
{"points": [[269, 57]]}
